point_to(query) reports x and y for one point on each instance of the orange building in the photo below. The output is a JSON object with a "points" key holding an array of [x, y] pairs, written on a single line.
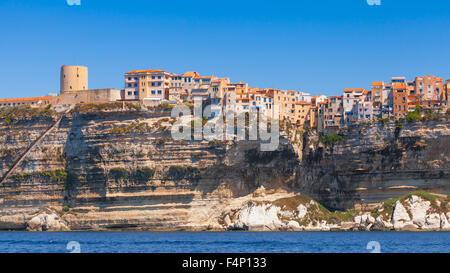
{"points": [[429, 88], [377, 94], [400, 96]]}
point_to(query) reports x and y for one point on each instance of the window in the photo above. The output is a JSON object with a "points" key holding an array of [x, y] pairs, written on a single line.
{"points": [[129, 93], [153, 92], [135, 93], [129, 85]]}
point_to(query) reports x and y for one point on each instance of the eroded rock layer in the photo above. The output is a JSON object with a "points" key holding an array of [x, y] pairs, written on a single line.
{"points": [[122, 170]]}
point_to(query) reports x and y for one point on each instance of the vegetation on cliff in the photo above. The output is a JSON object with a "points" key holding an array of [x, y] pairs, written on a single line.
{"points": [[56, 176], [106, 107], [438, 204], [331, 139], [142, 174], [12, 114], [176, 173]]}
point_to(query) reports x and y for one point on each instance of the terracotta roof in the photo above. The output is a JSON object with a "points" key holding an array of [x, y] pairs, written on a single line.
{"points": [[145, 71], [26, 99], [303, 103], [203, 77], [315, 97], [399, 86], [354, 89], [377, 83], [190, 74]]}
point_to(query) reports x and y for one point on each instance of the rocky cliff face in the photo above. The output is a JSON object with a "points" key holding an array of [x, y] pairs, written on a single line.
{"points": [[118, 170], [375, 162], [115, 169]]}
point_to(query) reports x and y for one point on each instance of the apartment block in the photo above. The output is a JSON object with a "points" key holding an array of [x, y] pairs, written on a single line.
{"points": [[285, 100], [429, 88], [216, 90], [302, 114], [147, 86], [350, 99], [334, 111], [400, 96], [319, 98], [303, 96], [377, 94]]}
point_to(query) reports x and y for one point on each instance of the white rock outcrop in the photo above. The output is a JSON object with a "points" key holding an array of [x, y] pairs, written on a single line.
{"points": [[419, 208], [445, 225], [401, 218], [259, 217], [302, 210], [47, 221], [432, 221]]}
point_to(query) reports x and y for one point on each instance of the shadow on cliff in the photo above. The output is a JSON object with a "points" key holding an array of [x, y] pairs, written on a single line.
{"points": [[81, 158], [244, 168]]}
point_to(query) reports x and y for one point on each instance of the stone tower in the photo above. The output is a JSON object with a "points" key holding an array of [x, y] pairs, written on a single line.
{"points": [[73, 78]]}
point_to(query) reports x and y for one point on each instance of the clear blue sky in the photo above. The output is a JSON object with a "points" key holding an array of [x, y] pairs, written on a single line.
{"points": [[319, 46]]}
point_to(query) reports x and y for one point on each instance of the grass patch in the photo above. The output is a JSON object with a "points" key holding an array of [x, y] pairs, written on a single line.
{"points": [[316, 212], [387, 208], [13, 114], [54, 176]]}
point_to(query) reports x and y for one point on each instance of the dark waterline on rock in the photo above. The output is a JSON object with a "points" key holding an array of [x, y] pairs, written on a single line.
{"points": [[225, 242]]}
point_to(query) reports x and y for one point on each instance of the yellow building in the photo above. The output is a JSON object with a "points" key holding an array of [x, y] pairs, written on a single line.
{"points": [[302, 116], [147, 85]]}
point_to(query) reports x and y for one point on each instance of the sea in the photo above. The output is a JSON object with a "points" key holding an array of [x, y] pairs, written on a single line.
{"points": [[224, 242]]}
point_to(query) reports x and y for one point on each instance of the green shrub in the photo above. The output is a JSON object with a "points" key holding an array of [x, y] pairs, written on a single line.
{"points": [[331, 139], [414, 115]]}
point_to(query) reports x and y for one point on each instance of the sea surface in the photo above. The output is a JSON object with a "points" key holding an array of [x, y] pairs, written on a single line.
{"points": [[228, 242]]}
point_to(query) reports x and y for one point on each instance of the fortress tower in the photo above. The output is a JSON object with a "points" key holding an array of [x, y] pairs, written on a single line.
{"points": [[73, 78]]}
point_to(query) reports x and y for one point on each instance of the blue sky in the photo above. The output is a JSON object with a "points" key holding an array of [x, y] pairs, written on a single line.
{"points": [[318, 46]]}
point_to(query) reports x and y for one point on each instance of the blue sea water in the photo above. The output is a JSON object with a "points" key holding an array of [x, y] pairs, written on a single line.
{"points": [[224, 242]]}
